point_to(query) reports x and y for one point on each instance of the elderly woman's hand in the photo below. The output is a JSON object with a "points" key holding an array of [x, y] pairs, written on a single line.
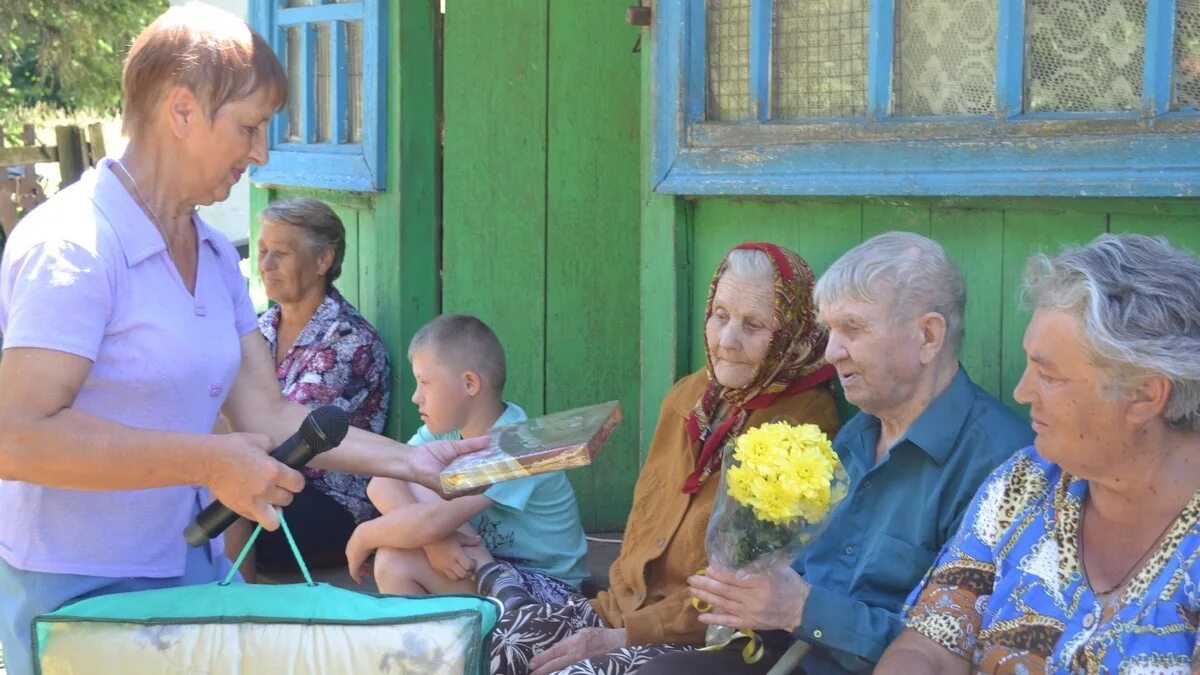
{"points": [[772, 601], [585, 644]]}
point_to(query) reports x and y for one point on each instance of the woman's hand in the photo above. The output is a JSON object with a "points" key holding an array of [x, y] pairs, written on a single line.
{"points": [[243, 476], [426, 461], [772, 601], [585, 644]]}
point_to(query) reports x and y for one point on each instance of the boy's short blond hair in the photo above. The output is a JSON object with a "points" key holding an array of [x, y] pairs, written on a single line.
{"points": [[463, 341], [208, 50]]}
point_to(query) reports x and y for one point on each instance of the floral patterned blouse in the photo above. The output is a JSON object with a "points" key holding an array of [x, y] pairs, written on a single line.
{"points": [[338, 358], [1009, 594]]}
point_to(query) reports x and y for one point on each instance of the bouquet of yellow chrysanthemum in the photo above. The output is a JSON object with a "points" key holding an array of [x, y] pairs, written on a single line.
{"points": [[779, 481]]}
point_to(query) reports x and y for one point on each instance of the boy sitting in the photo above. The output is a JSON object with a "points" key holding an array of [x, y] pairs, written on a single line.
{"points": [[425, 544]]}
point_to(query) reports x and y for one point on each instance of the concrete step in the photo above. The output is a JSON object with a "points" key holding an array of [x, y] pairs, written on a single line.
{"points": [[603, 548]]}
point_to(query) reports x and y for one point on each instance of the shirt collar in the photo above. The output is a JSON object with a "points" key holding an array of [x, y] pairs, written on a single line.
{"points": [[328, 313], [511, 415], [937, 428], [139, 237]]}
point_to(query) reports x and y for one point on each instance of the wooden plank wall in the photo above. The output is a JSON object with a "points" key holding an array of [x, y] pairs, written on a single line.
{"points": [[390, 270], [541, 210], [989, 238]]}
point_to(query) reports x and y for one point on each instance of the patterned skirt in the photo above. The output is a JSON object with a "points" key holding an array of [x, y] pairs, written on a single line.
{"points": [[530, 626]]}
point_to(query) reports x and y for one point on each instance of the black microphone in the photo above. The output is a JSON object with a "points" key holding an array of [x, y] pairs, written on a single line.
{"points": [[322, 430]]}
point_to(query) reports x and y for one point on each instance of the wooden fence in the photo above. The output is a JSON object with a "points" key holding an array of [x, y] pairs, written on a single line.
{"points": [[75, 150]]}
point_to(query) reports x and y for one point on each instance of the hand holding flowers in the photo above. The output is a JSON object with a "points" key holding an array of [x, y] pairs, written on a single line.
{"points": [[762, 601], [779, 482]]}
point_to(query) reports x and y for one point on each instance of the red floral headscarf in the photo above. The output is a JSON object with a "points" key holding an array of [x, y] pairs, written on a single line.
{"points": [[795, 361]]}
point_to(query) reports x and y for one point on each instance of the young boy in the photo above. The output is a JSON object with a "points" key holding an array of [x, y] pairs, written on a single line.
{"points": [[425, 544]]}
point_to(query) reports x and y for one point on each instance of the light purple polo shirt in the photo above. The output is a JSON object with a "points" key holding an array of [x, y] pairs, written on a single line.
{"points": [[87, 273]]}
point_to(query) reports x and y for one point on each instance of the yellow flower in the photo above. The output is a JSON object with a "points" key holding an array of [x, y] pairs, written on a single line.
{"points": [[785, 473]]}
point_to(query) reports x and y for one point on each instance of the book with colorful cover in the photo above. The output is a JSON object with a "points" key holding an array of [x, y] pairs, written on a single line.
{"points": [[561, 440]]}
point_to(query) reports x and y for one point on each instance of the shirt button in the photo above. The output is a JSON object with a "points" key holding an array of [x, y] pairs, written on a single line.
{"points": [[817, 633], [1089, 621], [849, 549], [215, 390], [200, 311], [867, 485], [661, 543]]}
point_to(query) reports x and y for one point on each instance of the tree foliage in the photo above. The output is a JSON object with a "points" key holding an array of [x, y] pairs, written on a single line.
{"points": [[67, 53]]}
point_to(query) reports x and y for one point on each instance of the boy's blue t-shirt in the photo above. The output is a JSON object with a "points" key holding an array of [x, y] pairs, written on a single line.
{"points": [[534, 522]]}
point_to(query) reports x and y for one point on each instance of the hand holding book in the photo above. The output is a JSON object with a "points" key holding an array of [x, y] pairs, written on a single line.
{"points": [[562, 440]]}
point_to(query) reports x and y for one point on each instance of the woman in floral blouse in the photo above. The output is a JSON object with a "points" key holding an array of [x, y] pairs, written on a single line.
{"points": [[325, 353], [1082, 553]]}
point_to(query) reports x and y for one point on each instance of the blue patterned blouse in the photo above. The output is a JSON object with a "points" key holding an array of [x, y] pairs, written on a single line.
{"points": [[1008, 592]]}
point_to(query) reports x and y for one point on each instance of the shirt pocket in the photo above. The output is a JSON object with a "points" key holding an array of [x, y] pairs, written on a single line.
{"points": [[895, 567]]}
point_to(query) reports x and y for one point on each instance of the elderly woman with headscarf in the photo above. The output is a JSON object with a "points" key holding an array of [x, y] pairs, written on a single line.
{"points": [[764, 361], [128, 327], [1082, 553]]}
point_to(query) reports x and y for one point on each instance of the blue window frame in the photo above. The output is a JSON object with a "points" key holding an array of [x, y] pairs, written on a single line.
{"points": [[746, 105], [331, 134]]}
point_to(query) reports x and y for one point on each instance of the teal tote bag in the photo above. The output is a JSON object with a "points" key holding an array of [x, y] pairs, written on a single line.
{"points": [[229, 628]]}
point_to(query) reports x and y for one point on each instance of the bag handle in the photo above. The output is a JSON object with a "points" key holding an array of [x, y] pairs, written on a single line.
{"points": [[287, 533]]}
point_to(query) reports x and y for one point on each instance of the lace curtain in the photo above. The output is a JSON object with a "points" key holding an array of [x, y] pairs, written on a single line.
{"points": [[1084, 55], [1080, 56], [945, 57]]}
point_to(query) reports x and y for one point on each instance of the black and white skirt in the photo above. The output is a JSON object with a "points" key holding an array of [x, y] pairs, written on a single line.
{"points": [[531, 625]]}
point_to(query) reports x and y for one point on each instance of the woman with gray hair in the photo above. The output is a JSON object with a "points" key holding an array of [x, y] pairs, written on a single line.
{"points": [[325, 352], [1081, 554]]}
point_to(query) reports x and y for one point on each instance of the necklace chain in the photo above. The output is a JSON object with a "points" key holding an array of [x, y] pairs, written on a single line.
{"points": [[154, 219], [1137, 564]]}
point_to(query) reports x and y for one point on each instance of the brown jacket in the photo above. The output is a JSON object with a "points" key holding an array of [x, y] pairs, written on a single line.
{"points": [[664, 538]]}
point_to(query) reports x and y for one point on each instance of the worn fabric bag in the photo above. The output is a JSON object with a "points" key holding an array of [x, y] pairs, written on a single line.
{"points": [[243, 629]]}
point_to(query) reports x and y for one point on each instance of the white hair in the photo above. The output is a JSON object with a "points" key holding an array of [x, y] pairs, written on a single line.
{"points": [[749, 263], [911, 272], [1138, 301]]}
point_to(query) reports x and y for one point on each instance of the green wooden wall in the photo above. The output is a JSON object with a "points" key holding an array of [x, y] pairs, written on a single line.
{"points": [[989, 238], [541, 210], [390, 270]]}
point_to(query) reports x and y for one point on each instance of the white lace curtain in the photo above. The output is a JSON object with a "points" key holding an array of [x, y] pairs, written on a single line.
{"points": [[1081, 56]]}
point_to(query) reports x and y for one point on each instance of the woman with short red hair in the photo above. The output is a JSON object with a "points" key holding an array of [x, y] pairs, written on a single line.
{"points": [[128, 329]]}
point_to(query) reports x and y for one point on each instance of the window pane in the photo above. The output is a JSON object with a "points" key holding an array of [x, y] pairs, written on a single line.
{"points": [[728, 34], [354, 81], [1187, 56], [324, 99], [1085, 55], [819, 64], [293, 72], [945, 58], [302, 3]]}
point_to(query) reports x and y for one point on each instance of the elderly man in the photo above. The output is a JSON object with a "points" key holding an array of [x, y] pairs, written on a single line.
{"points": [[925, 439]]}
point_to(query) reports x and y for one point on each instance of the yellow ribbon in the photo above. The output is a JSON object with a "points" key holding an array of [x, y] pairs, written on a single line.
{"points": [[700, 605], [752, 652]]}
